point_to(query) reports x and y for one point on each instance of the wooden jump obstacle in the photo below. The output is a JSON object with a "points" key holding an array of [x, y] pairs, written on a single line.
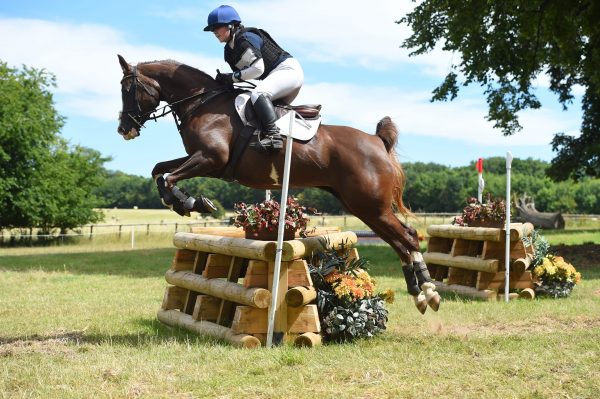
{"points": [[220, 286], [470, 261]]}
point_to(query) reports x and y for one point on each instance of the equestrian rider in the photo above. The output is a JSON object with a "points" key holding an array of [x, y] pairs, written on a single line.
{"points": [[253, 54]]}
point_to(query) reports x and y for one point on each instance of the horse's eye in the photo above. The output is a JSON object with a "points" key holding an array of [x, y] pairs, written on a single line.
{"points": [[120, 115]]}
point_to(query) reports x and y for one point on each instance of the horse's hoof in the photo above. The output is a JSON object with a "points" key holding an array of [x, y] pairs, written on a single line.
{"points": [[434, 301], [433, 298], [420, 303], [204, 205]]}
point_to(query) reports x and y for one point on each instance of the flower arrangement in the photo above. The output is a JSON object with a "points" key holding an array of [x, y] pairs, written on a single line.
{"points": [[540, 245], [349, 307], [557, 277], [492, 213], [265, 216]]}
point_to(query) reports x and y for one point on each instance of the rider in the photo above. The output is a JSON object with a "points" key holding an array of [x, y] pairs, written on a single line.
{"points": [[253, 54]]}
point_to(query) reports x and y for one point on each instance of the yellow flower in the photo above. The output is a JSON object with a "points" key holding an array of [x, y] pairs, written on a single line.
{"points": [[388, 296], [341, 291]]}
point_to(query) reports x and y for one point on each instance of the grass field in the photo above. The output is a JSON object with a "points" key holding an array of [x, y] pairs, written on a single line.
{"points": [[79, 325]]}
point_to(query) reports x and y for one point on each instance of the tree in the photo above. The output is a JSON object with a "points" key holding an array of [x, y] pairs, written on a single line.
{"points": [[505, 45], [43, 183]]}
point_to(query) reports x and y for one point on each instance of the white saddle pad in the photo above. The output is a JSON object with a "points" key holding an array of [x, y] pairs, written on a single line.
{"points": [[301, 130]]}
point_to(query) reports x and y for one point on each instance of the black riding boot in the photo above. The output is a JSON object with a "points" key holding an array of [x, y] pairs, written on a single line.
{"points": [[272, 140]]}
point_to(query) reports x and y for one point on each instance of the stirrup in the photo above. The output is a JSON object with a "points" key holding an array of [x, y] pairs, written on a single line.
{"points": [[270, 143]]}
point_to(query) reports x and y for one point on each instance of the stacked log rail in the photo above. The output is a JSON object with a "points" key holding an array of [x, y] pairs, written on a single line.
{"points": [[470, 261], [220, 286]]}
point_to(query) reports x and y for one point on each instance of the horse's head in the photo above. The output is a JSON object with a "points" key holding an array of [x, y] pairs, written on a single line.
{"points": [[140, 96]]}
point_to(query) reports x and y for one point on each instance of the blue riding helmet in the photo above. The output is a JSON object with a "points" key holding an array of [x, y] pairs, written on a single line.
{"points": [[222, 15]]}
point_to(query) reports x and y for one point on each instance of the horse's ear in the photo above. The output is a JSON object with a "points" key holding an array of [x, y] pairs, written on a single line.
{"points": [[124, 65]]}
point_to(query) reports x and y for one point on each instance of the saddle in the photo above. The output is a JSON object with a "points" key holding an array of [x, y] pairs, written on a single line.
{"points": [[306, 111], [305, 126]]}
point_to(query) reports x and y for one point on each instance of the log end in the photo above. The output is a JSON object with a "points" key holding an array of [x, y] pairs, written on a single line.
{"points": [[308, 339], [299, 296], [527, 293], [261, 298], [248, 342]]}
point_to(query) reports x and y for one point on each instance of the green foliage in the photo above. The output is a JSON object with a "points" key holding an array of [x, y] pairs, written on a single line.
{"points": [[438, 188], [320, 199], [540, 245], [121, 190], [430, 187], [505, 46], [44, 183]]}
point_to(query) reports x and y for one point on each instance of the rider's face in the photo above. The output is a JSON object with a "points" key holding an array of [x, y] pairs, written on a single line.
{"points": [[222, 33]]}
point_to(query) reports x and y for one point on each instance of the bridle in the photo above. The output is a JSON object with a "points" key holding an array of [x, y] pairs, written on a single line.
{"points": [[139, 117]]}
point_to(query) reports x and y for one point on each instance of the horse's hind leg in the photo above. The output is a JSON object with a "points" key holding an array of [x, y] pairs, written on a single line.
{"points": [[418, 282], [404, 241]]}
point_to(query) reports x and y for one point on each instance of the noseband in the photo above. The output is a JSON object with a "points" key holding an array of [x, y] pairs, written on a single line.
{"points": [[139, 117]]}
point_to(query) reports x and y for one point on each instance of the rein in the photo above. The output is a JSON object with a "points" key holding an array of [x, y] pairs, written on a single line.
{"points": [[159, 112]]}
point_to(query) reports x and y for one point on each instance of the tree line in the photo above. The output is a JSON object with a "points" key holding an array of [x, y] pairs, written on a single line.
{"points": [[430, 187]]}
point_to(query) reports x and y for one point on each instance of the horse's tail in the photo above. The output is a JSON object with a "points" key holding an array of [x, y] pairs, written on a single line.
{"points": [[388, 133]]}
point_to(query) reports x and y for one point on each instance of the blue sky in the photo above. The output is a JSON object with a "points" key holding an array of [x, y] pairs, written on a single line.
{"points": [[350, 52]]}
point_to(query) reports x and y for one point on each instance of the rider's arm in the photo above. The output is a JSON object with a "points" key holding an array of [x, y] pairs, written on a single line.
{"points": [[253, 71], [251, 64]]}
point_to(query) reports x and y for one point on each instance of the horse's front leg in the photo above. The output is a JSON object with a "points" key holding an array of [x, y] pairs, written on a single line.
{"points": [[167, 166], [196, 165], [166, 196]]}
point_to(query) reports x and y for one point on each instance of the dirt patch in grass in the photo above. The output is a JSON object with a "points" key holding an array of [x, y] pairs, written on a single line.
{"points": [[541, 326], [584, 256], [57, 343]]}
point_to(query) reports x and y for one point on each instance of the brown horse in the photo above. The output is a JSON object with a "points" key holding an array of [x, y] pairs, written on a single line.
{"points": [[361, 170]]}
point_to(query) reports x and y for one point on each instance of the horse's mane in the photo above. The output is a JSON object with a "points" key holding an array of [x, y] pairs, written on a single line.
{"points": [[178, 64]]}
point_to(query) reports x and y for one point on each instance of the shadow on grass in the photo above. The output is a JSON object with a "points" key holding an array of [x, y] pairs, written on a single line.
{"points": [[135, 263], [152, 332]]}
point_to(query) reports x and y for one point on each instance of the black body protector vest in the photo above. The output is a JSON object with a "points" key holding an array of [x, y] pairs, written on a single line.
{"points": [[270, 51]]}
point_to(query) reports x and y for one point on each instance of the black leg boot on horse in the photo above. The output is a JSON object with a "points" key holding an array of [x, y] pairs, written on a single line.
{"points": [[180, 201], [270, 139], [413, 288]]}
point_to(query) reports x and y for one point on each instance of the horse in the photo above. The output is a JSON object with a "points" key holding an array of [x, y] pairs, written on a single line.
{"points": [[361, 170]]}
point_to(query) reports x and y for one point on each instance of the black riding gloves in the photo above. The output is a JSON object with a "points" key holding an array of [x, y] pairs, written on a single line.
{"points": [[226, 79]]}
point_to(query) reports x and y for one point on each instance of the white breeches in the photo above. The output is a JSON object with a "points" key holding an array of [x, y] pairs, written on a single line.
{"points": [[283, 83]]}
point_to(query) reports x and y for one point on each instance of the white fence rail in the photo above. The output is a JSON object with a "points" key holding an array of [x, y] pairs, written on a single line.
{"points": [[345, 222]]}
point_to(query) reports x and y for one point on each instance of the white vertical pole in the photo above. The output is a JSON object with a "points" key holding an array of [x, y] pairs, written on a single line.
{"points": [[280, 230], [509, 159], [480, 181], [132, 237], [267, 195]]}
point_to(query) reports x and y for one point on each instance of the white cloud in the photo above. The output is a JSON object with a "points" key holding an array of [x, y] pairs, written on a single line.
{"points": [[463, 119], [84, 59], [335, 31]]}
